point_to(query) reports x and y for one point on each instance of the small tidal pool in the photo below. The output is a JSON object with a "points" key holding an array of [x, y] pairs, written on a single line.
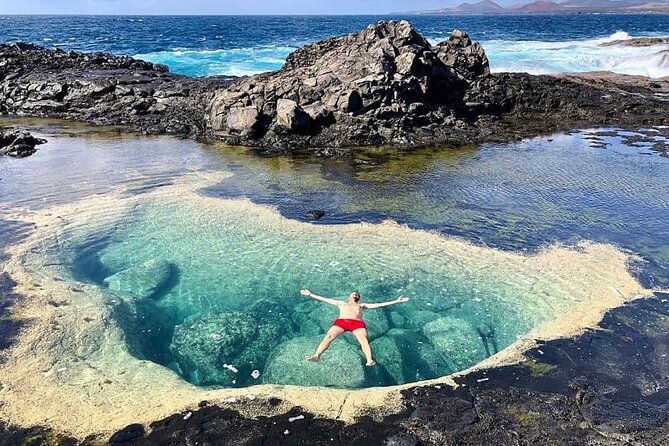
{"points": [[198, 252]]}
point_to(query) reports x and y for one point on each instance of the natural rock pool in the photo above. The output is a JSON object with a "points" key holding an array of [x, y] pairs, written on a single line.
{"points": [[191, 256]]}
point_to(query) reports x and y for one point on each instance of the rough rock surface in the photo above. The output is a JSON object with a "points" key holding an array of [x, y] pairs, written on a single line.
{"points": [[388, 86], [341, 365], [19, 144], [102, 89], [385, 85]]}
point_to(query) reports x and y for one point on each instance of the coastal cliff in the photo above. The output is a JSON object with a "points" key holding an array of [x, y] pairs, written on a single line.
{"points": [[386, 85]]}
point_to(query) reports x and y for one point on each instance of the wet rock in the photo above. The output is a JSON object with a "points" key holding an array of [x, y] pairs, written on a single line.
{"points": [[637, 42], [19, 144], [467, 58], [127, 435], [144, 281], [244, 120], [306, 323], [314, 317], [204, 343], [420, 360], [396, 319], [341, 365], [315, 214], [388, 355], [419, 318], [102, 89], [457, 341], [376, 321]]}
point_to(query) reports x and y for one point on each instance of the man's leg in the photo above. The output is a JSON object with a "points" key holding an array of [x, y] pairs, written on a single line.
{"points": [[332, 334], [361, 335]]}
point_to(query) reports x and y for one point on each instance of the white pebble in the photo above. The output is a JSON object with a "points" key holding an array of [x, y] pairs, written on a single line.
{"points": [[188, 415], [286, 432], [232, 368]]}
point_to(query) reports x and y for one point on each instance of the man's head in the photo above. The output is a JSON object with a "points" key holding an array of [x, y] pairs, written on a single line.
{"points": [[354, 297]]}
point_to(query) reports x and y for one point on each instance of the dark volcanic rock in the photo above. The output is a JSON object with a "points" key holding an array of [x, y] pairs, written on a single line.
{"points": [[102, 89], [19, 144], [372, 87], [385, 85], [637, 42]]}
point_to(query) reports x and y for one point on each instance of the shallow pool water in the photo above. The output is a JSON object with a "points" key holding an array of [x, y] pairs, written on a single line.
{"points": [[207, 284]]}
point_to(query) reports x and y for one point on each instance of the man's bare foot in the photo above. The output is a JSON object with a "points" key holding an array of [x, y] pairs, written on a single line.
{"points": [[371, 363], [312, 358]]}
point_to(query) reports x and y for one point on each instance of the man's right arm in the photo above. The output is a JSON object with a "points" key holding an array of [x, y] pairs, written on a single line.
{"points": [[327, 300]]}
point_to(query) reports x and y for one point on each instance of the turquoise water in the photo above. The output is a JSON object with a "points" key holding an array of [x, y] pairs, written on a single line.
{"points": [[229, 45], [206, 285]]}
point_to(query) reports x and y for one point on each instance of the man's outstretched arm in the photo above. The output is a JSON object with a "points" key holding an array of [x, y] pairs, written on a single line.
{"points": [[327, 300], [386, 304]]}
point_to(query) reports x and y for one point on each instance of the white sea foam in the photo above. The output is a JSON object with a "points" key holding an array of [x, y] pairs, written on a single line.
{"points": [[535, 57], [228, 62], [538, 57]]}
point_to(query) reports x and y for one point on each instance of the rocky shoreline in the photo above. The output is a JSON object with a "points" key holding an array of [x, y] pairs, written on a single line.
{"points": [[606, 387], [383, 86]]}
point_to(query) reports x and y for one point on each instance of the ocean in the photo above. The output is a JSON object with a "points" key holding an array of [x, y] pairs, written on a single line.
{"points": [[244, 45]]}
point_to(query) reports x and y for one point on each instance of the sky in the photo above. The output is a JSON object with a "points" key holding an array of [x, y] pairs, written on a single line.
{"points": [[141, 7]]}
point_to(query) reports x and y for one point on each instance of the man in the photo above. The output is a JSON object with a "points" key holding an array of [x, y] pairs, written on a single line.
{"points": [[350, 319]]}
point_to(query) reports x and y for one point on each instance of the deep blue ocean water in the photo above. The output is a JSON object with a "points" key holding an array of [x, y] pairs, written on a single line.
{"points": [[234, 45]]}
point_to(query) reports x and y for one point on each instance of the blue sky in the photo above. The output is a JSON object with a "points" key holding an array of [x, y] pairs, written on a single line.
{"points": [[220, 6]]}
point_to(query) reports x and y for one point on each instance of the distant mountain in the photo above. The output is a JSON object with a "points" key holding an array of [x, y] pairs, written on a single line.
{"points": [[603, 4], [551, 7], [540, 7], [482, 7]]}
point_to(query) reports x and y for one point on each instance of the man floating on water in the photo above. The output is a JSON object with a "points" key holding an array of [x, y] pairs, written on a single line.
{"points": [[350, 319]]}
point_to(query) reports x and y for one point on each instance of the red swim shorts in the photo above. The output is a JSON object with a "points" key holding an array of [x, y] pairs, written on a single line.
{"points": [[349, 324]]}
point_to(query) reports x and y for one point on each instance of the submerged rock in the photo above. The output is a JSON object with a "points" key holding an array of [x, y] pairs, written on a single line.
{"points": [[376, 322], [388, 355], [340, 366], [226, 347], [315, 214], [144, 281], [19, 144], [204, 343], [457, 341], [420, 360]]}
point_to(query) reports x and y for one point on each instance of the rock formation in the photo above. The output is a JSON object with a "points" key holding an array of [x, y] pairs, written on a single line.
{"points": [[101, 89], [385, 85], [19, 144]]}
